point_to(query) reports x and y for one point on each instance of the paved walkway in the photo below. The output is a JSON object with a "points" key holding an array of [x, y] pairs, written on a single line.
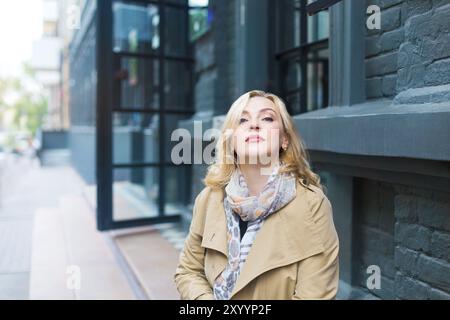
{"points": [[47, 235], [24, 187]]}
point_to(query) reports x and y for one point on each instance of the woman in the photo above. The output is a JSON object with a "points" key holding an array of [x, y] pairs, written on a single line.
{"points": [[260, 229]]}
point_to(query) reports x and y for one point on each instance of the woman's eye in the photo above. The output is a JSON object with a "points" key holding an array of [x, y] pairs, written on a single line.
{"points": [[268, 119], [242, 120]]}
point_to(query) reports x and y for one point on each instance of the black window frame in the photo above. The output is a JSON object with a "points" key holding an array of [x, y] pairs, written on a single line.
{"points": [[108, 96], [300, 53]]}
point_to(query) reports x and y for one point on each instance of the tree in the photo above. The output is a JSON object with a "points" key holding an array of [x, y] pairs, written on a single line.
{"points": [[29, 112], [27, 107]]}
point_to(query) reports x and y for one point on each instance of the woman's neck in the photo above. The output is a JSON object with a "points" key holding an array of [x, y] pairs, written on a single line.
{"points": [[256, 176]]}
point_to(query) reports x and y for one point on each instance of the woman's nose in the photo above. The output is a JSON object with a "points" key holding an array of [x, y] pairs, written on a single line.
{"points": [[254, 124]]}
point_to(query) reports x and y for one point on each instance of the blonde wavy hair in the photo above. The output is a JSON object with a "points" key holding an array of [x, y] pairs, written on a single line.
{"points": [[295, 157]]}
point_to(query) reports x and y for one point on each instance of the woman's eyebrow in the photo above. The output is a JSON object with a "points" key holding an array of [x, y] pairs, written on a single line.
{"points": [[266, 109], [260, 111]]}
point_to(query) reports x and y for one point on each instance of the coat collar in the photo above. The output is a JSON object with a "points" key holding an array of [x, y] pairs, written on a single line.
{"points": [[285, 237]]}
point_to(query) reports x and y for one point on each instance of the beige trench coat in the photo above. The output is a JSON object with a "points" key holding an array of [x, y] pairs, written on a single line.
{"points": [[294, 254]]}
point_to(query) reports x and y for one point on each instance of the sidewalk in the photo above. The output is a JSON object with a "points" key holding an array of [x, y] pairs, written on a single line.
{"points": [[21, 192], [47, 235]]}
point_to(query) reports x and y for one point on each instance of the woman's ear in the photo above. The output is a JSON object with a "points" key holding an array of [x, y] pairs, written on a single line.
{"points": [[285, 143]]}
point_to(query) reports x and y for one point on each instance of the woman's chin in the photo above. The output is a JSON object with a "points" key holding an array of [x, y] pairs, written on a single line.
{"points": [[257, 158]]}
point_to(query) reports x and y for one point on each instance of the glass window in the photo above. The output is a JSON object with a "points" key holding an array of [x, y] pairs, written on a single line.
{"points": [[177, 188], [139, 83], [291, 74], [317, 79], [171, 123], [136, 27], [288, 17], [200, 18], [318, 28], [136, 138], [151, 93], [302, 55], [135, 193]]}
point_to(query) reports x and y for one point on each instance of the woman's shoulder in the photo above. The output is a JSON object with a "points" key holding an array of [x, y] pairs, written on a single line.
{"points": [[205, 198], [205, 194], [208, 195], [318, 206], [311, 194], [320, 212]]}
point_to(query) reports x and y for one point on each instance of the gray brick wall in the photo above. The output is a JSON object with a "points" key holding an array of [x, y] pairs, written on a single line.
{"points": [[411, 50], [406, 232], [382, 50], [374, 232], [422, 237]]}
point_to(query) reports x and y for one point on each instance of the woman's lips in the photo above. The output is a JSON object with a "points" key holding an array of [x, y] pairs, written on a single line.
{"points": [[252, 139]]}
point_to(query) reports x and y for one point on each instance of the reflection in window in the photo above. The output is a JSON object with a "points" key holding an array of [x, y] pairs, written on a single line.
{"points": [[136, 27], [136, 138], [318, 26], [289, 24], [317, 79], [139, 88], [176, 186], [200, 18], [135, 193]]}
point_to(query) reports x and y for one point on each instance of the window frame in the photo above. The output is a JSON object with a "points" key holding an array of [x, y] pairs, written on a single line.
{"points": [[300, 53], [110, 75]]}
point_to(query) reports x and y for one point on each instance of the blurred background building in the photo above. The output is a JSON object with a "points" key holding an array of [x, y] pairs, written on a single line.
{"points": [[50, 64], [46, 61]]}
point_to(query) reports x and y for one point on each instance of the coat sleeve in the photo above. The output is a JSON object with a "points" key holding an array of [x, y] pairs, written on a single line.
{"points": [[189, 276], [318, 275]]}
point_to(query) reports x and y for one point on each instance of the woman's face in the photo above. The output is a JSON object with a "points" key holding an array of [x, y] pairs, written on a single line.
{"points": [[260, 134]]}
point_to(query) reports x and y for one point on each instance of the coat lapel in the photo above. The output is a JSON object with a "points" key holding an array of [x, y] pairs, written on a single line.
{"points": [[215, 230]]}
